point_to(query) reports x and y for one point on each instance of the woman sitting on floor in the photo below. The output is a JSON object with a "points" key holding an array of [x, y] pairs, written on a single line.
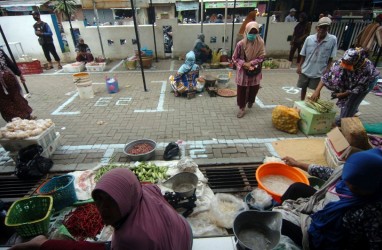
{"points": [[185, 78]]}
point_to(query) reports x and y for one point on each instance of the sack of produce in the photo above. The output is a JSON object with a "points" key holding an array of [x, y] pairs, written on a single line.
{"points": [[355, 133], [187, 164], [285, 119]]}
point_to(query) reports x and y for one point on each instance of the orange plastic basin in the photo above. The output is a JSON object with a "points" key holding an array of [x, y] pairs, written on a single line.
{"points": [[273, 168]]}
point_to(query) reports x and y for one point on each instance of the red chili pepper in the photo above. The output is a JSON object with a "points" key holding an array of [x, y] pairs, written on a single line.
{"points": [[84, 222]]}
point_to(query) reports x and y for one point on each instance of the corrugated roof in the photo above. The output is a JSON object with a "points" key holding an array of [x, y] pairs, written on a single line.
{"points": [[25, 3]]}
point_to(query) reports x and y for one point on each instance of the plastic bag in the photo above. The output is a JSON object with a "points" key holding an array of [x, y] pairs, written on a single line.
{"points": [[224, 208], [187, 164], [171, 150], [30, 164], [202, 225], [261, 198], [285, 119]]}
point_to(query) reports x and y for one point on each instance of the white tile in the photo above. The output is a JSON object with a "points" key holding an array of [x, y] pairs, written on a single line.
{"points": [[218, 243]]}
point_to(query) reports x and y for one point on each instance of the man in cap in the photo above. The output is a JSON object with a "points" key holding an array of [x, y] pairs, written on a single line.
{"points": [[45, 39], [317, 54], [291, 17]]}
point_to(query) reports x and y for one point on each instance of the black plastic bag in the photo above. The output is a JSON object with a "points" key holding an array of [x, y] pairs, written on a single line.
{"points": [[30, 164], [172, 150]]}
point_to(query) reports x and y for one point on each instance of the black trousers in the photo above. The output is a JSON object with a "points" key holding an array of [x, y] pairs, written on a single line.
{"points": [[48, 49]]}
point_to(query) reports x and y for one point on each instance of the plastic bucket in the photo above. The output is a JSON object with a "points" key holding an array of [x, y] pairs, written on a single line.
{"points": [[81, 78], [112, 85], [85, 90], [273, 168]]}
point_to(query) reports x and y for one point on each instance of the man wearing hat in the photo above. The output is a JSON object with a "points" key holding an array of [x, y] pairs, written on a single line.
{"points": [[45, 39], [317, 54], [291, 17]]}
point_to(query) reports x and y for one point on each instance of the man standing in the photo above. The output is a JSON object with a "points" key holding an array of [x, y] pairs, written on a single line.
{"points": [[317, 54], [45, 39], [291, 17]]}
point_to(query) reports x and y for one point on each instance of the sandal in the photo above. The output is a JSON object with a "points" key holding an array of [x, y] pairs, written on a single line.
{"points": [[240, 114], [250, 105], [59, 66], [50, 67]]}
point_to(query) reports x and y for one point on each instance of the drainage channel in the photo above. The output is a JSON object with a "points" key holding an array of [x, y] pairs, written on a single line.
{"points": [[231, 178], [13, 188]]}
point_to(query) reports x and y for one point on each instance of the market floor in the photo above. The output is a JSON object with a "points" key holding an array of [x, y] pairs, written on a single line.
{"points": [[93, 131]]}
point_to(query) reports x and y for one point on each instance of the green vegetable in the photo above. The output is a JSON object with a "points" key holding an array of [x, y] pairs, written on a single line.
{"points": [[150, 172]]}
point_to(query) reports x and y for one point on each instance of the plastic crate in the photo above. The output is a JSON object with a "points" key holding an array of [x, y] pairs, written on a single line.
{"points": [[30, 216], [28, 68], [74, 67], [49, 151], [44, 140], [62, 190], [95, 67]]}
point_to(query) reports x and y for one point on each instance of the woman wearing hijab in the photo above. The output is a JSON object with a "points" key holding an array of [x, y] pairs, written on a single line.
{"points": [[346, 213], [300, 33], [249, 53], [350, 79], [12, 103], [201, 50], [185, 78], [142, 219]]}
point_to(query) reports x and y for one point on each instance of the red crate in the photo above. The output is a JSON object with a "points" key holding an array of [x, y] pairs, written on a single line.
{"points": [[28, 68]]}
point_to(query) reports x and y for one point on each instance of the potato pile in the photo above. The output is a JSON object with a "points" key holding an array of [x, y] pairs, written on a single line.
{"points": [[22, 129], [285, 119]]}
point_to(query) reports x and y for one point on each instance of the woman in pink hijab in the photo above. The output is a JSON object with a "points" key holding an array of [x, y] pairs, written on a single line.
{"points": [[141, 217], [249, 53]]}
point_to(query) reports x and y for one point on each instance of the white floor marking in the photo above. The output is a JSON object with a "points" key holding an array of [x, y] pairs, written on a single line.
{"points": [[107, 156], [59, 71], [172, 65], [116, 66], [271, 149], [160, 101], [262, 105], [58, 110], [364, 102], [103, 101]]}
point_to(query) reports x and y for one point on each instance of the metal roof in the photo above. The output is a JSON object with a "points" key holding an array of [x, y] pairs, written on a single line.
{"points": [[23, 3]]}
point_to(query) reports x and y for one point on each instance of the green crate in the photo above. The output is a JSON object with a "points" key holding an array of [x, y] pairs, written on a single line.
{"points": [[30, 216]]}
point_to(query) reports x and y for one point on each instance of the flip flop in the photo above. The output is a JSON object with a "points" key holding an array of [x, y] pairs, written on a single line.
{"points": [[240, 114], [59, 67]]}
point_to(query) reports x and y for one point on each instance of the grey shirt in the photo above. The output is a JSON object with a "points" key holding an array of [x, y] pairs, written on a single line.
{"points": [[317, 54]]}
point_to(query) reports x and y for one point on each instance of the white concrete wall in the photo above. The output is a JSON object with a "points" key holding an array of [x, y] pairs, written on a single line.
{"points": [[19, 28]]}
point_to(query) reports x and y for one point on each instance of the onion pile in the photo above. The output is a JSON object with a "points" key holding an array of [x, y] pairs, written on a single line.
{"points": [[22, 129]]}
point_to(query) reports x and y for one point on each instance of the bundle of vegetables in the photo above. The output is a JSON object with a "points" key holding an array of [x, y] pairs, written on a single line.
{"points": [[321, 106], [84, 222], [105, 169], [147, 171]]}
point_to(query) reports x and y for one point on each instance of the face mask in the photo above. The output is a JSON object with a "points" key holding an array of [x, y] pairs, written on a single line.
{"points": [[251, 37]]}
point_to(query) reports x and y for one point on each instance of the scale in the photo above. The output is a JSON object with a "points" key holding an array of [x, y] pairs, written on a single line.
{"points": [[183, 198], [184, 205]]}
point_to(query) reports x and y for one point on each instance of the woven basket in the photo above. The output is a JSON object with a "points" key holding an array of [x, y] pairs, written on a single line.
{"points": [[30, 216], [62, 190]]}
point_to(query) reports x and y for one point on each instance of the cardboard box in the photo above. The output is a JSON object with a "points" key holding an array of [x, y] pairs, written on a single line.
{"points": [[313, 122], [49, 151], [340, 146], [330, 155], [44, 140]]}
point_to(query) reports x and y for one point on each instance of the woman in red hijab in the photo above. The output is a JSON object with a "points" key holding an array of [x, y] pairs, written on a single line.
{"points": [[142, 219]]}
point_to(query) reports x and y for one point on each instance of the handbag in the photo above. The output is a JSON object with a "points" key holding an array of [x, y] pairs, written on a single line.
{"points": [[252, 72], [30, 164]]}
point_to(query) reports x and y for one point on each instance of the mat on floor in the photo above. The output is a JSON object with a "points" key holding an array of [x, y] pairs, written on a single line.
{"points": [[304, 150]]}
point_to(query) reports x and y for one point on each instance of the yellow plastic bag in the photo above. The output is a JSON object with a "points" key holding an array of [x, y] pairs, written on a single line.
{"points": [[216, 56], [285, 119]]}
